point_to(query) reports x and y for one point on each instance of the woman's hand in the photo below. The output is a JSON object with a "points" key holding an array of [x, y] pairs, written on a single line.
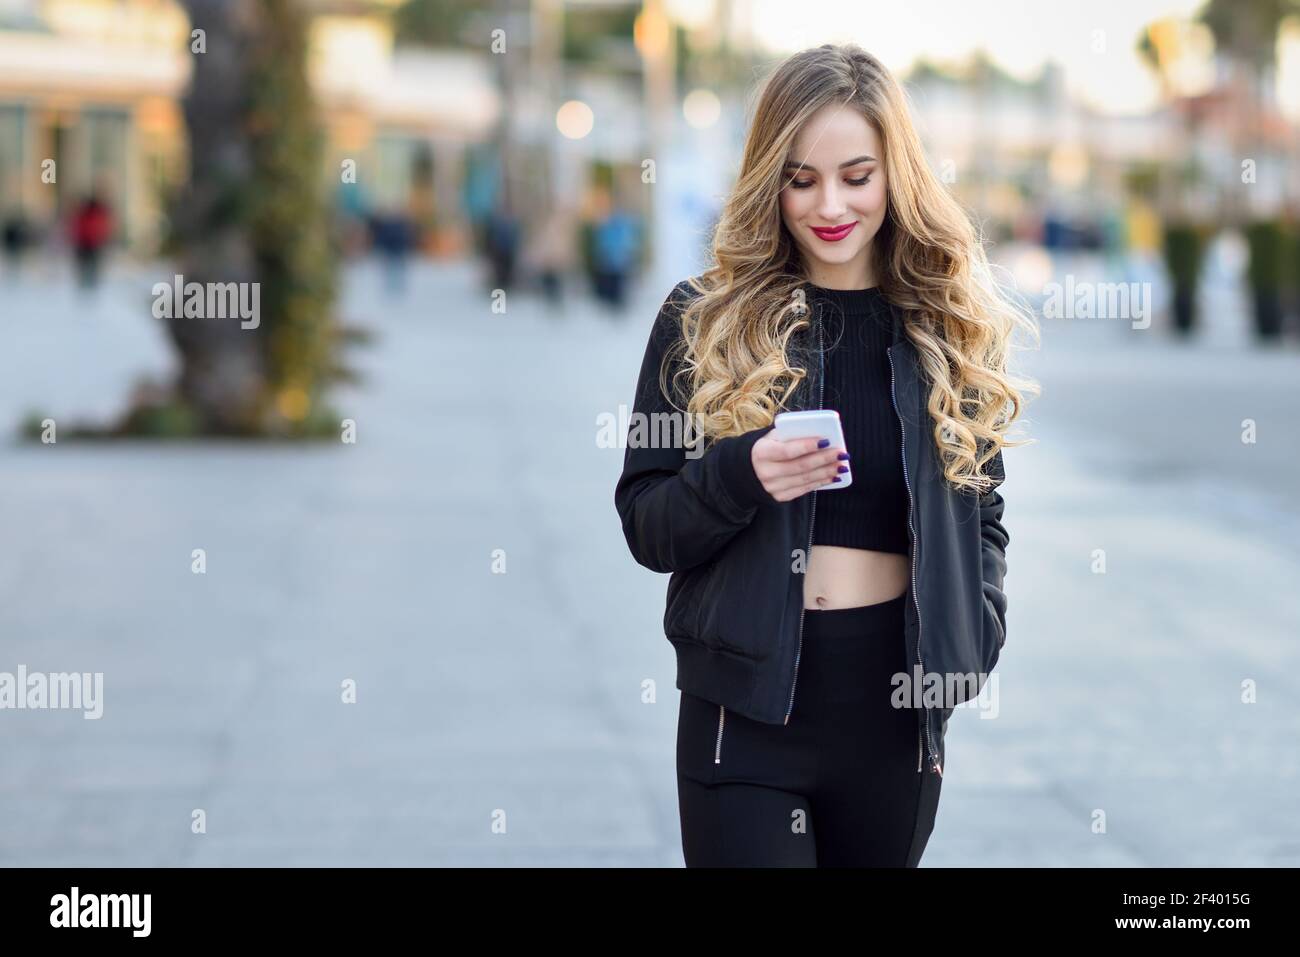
{"points": [[789, 469]]}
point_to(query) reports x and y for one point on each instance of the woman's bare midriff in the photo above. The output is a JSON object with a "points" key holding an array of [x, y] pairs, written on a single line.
{"points": [[840, 577]]}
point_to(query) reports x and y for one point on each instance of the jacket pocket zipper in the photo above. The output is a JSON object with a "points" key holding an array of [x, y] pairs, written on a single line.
{"points": [[911, 504], [717, 748]]}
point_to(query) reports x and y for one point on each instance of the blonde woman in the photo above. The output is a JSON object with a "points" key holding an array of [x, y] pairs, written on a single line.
{"points": [[824, 637]]}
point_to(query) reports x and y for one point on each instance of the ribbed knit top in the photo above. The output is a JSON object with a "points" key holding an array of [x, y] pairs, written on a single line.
{"points": [[872, 512]]}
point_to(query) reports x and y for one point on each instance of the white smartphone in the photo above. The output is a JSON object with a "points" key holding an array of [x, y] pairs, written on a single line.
{"points": [[817, 423]]}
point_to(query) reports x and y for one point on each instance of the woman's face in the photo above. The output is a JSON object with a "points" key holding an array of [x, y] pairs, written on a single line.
{"points": [[836, 177]]}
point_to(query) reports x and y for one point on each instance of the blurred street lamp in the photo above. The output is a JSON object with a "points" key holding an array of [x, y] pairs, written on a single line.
{"points": [[702, 109], [652, 34], [574, 119]]}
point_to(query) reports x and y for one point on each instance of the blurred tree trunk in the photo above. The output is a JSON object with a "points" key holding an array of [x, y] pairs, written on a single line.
{"points": [[254, 211], [223, 370]]}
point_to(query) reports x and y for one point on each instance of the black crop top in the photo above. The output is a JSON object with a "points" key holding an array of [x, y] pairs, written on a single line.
{"points": [[871, 512]]}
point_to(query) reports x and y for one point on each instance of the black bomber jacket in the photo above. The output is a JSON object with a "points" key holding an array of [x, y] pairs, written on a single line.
{"points": [[735, 609]]}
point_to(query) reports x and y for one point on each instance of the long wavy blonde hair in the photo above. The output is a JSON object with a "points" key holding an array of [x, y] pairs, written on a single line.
{"points": [[930, 263]]}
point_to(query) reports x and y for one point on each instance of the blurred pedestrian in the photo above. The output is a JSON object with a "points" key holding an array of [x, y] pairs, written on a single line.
{"points": [[552, 253], [351, 227], [14, 235], [617, 241], [91, 229], [392, 235], [502, 241]]}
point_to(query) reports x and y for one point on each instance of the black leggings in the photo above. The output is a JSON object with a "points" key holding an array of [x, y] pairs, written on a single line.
{"points": [[842, 785]]}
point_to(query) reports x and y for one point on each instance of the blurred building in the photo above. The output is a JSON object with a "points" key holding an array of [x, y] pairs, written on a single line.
{"points": [[1024, 150], [95, 87], [1012, 149]]}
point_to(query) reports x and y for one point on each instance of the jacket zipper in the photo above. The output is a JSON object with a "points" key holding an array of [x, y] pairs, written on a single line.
{"points": [[717, 750], [934, 760], [812, 515]]}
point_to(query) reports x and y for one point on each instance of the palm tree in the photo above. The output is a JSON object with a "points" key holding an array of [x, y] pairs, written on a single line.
{"points": [[253, 210], [1245, 35]]}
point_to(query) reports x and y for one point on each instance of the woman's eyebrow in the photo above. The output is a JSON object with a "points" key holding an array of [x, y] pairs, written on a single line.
{"points": [[853, 162]]}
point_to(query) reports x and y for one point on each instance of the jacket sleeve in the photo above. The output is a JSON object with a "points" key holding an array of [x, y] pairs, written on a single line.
{"points": [[680, 510], [993, 549]]}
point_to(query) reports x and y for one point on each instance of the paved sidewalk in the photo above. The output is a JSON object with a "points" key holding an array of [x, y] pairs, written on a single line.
{"points": [[485, 696]]}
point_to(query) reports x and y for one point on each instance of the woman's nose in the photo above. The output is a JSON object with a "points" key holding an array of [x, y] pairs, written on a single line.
{"points": [[831, 205]]}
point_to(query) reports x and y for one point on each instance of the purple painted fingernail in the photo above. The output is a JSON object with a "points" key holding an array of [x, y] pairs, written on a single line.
{"points": [[822, 443], [835, 478], [843, 456], [843, 469]]}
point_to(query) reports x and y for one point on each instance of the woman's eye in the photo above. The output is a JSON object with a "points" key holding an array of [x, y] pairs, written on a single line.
{"points": [[804, 184]]}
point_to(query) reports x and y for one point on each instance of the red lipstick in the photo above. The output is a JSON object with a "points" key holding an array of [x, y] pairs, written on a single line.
{"points": [[833, 234]]}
